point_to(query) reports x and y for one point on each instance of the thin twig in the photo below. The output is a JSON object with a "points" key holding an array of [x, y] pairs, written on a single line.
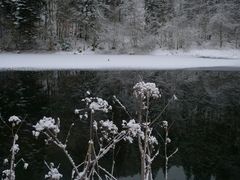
{"points": [[20, 160], [162, 111], [108, 173], [173, 153], [159, 134], [68, 134], [5, 123], [122, 106]]}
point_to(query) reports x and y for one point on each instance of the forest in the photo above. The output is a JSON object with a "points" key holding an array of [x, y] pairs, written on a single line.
{"points": [[118, 26]]}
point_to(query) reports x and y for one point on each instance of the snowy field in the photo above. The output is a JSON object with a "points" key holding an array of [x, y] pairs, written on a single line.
{"points": [[157, 60]]}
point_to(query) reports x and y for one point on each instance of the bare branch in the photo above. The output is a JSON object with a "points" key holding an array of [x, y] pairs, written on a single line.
{"points": [[68, 134], [122, 106], [173, 153]]}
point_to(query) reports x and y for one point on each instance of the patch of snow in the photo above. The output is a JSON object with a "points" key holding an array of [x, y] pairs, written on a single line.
{"points": [[215, 53], [201, 53]]}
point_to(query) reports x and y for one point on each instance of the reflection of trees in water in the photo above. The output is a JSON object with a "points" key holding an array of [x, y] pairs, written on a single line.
{"points": [[21, 94], [206, 127], [209, 135]]}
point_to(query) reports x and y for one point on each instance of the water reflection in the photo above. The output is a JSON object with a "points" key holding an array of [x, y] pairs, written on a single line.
{"points": [[206, 128], [175, 173]]}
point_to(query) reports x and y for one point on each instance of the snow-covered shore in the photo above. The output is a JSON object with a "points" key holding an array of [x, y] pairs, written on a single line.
{"points": [[155, 61]]}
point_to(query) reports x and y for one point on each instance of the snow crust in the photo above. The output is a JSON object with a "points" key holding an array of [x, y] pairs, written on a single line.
{"points": [[158, 60]]}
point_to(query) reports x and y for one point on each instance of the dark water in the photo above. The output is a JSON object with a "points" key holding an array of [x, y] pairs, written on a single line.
{"points": [[206, 128]]}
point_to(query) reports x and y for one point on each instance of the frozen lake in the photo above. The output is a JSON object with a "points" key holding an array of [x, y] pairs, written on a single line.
{"points": [[118, 62]]}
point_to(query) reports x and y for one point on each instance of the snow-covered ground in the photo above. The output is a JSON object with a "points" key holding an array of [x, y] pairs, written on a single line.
{"points": [[205, 53], [157, 60]]}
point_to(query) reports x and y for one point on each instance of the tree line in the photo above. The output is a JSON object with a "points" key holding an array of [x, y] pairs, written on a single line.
{"points": [[130, 26]]}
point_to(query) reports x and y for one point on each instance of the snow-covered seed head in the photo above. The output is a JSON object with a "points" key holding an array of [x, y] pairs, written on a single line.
{"points": [[95, 125], [133, 130], [168, 140], [76, 111], [143, 90], [164, 124], [5, 161], [7, 174], [175, 97], [53, 173], [97, 104], [153, 140], [16, 137], [15, 148], [47, 123], [36, 133], [100, 105], [108, 129], [14, 120], [25, 166]]}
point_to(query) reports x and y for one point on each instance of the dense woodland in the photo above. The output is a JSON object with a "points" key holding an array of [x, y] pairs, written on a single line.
{"points": [[120, 26]]}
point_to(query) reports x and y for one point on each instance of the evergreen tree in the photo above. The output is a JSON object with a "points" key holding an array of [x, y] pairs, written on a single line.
{"points": [[22, 16], [86, 14], [134, 21], [158, 12]]}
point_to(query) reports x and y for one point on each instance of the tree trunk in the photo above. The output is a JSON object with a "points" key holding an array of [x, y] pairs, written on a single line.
{"points": [[221, 35]]}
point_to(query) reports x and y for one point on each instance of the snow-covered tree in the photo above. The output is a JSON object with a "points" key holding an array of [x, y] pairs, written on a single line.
{"points": [[134, 22], [158, 12]]}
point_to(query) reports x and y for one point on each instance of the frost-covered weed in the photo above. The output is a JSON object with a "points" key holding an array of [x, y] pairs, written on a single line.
{"points": [[53, 173], [103, 136], [12, 162]]}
